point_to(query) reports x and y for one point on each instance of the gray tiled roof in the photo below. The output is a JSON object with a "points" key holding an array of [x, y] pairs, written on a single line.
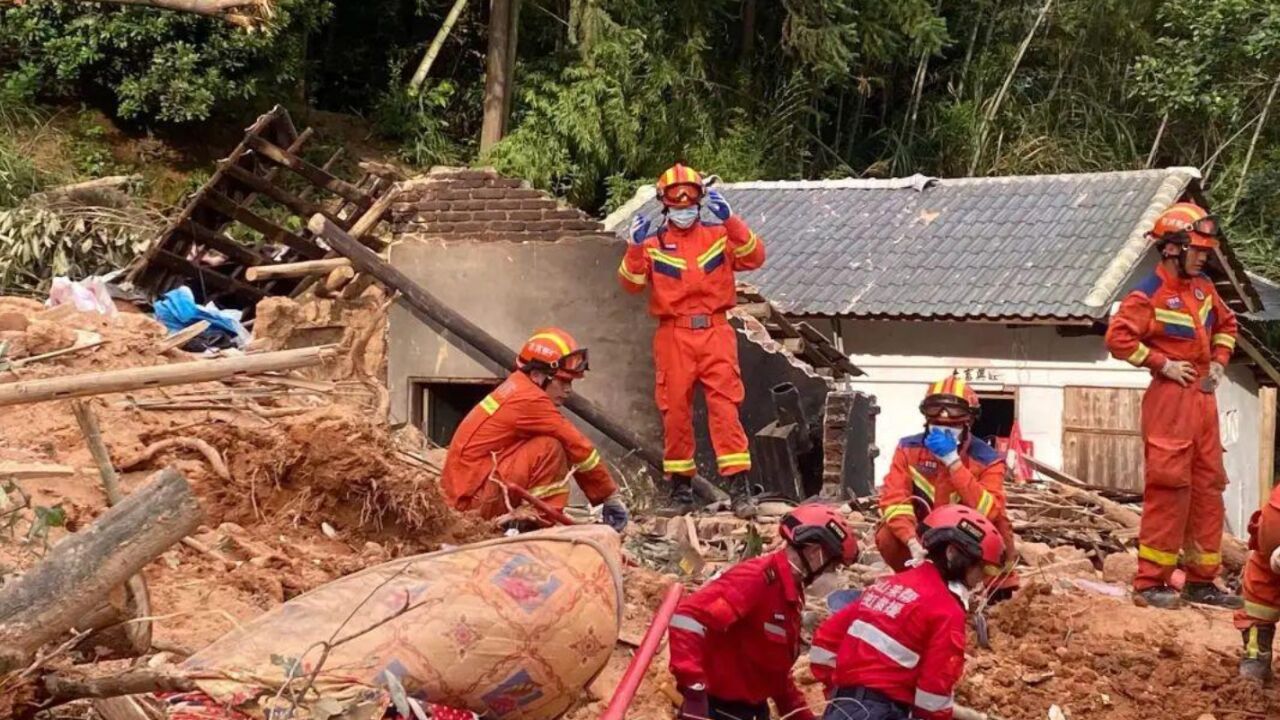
{"points": [[1269, 292], [1059, 246]]}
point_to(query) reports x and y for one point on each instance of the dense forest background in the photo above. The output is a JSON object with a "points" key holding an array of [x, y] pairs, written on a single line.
{"points": [[607, 93]]}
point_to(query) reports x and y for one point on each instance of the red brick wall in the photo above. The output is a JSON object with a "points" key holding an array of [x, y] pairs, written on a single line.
{"points": [[480, 204]]}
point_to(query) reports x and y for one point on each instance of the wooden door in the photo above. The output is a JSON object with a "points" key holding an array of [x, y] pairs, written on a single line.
{"points": [[1102, 436]]}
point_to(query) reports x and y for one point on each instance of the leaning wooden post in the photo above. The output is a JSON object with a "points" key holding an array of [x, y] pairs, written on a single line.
{"points": [[50, 598]]}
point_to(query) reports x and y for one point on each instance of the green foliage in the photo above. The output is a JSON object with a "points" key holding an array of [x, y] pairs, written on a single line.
{"points": [[37, 242], [157, 65], [419, 123]]}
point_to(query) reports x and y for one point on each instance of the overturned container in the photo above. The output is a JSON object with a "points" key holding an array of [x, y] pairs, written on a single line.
{"points": [[512, 628]]}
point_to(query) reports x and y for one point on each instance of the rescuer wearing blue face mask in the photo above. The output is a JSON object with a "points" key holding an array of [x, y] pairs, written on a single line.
{"points": [[943, 465]]}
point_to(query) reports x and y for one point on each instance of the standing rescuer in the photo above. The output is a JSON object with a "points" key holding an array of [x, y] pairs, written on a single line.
{"points": [[689, 267], [898, 651], [1175, 325], [944, 464], [733, 642], [1257, 619], [517, 436]]}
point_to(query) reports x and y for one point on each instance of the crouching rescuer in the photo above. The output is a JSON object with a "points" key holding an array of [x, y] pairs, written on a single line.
{"points": [[943, 465], [689, 266], [1257, 619], [733, 642], [898, 651], [517, 436], [1174, 324]]}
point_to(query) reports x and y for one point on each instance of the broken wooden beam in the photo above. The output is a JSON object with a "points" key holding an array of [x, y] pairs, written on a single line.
{"points": [[263, 186], [457, 329], [316, 176], [50, 598], [60, 688], [196, 371], [29, 471], [272, 232], [182, 337], [296, 269]]}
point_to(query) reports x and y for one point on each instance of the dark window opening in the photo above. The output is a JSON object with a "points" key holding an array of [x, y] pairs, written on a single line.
{"points": [[998, 413], [439, 407]]}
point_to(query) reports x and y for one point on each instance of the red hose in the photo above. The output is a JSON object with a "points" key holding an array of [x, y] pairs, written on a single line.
{"points": [[551, 513], [630, 682]]}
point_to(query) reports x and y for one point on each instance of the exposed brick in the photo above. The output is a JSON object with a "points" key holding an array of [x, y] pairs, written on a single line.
{"points": [[452, 216], [542, 226], [502, 182], [491, 193], [545, 203], [582, 226], [399, 207], [426, 217], [506, 226], [491, 216], [432, 205], [438, 228], [525, 193], [524, 215], [561, 214], [470, 205], [468, 227], [455, 193]]}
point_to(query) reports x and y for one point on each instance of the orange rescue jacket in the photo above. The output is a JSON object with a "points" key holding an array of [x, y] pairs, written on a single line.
{"points": [[691, 270], [1167, 317], [516, 411], [918, 481]]}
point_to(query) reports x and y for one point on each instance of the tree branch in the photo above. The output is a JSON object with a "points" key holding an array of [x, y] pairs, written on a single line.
{"points": [[61, 689]]}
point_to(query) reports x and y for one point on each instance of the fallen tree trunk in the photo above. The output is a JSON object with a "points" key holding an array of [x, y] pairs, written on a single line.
{"points": [[52, 597], [196, 371]]}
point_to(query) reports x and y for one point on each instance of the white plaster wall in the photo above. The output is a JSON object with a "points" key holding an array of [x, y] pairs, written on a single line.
{"points": [[1036, 363]]}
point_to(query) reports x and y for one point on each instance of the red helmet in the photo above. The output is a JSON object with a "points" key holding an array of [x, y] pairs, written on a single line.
{"points": [[814, 523], [967, 529], [553, 350], [1186, 224], [951, 401], [680, 186]]}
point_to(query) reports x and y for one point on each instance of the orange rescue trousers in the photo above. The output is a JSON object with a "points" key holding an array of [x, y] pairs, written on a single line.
{"points": [[687, 356], [539, 465], [1182, 507], [1261, 585]]}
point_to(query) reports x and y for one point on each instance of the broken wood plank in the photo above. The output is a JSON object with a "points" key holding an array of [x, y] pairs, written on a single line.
{"points": [[356, 287], [316, 176], [335, 281], [20, 362], [263, 186], [61, 689], [110, 381], [32, 471], [50, 598], [205, 276], [296, 269], [182, 337], [271, 232]]}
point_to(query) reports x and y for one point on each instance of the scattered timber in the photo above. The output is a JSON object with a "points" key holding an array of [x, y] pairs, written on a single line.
{"points": [[296, 269], [112, 381], [56, 594], [182, 337]]}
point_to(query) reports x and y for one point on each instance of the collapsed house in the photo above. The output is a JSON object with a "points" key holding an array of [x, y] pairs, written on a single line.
{"points": [[1009, 281]]}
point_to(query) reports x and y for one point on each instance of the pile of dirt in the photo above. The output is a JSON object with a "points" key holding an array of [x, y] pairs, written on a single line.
{"points": [[1102, 657]]}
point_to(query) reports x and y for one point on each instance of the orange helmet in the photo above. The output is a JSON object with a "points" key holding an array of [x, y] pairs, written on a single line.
{"points": [[680, 186], [950, 401], [554, 351], [1186, 224]]}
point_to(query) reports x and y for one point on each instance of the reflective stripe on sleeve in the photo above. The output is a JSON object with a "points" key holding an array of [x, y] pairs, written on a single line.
{"points": [[489, 404], [933, 703], [821, 656], [986, 503], [591, 462], [630, 276], [893, 511], [878, 639], [1139, 356], [684, 622], [1225, 340], [747, 247]]}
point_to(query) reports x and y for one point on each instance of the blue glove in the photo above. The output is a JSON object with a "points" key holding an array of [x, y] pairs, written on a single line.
{"points": [[639, 229], [943, 445], [615, 513], [718, 205]]}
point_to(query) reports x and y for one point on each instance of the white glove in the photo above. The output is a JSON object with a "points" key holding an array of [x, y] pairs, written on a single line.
{"points": [[918, 553], [1179, 371], [1275, 561]]}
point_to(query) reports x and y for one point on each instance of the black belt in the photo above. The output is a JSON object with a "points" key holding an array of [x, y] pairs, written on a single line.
{"points": [[866, 693]]}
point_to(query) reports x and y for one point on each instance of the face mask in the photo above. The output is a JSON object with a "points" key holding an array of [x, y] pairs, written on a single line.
{"points": [[961, 592], [951, 430], [683, 217]]}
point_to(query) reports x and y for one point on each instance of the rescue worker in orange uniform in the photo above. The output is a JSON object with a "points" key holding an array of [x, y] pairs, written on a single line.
{"points": [[517, 436], [1175, 325], [944, 464], [1257, 619], [689, 267], [733, 642], [897, 652]]}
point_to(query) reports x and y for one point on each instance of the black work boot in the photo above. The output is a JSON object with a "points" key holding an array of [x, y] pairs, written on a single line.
{"points": [[681, 494], [1161, 596], [1255, 664], [1209, 594]]}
